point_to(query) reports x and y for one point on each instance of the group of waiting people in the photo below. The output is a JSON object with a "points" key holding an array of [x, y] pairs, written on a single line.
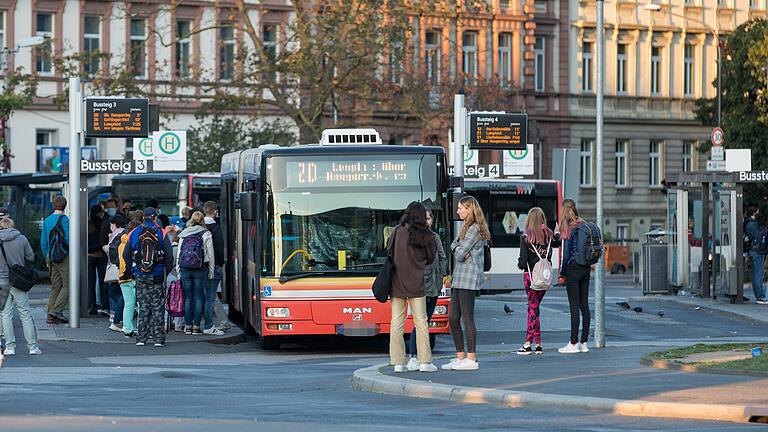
{"points": [[420, 265], [135, 293]]}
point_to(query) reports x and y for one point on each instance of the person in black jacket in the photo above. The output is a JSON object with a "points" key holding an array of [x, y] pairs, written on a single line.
{"points": [[535, 244], [97, 264], [211, 300], [756, 256]]}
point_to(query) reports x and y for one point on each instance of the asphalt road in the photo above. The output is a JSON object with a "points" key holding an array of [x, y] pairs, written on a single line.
{"points": [[306, 386]]}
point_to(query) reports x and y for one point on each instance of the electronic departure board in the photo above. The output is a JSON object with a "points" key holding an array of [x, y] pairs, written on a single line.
{"points": [[498, 131], [116, 118], [352, 173]]}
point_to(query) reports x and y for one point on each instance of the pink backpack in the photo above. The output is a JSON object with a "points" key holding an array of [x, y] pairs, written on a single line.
{"points": [[174, 301]]}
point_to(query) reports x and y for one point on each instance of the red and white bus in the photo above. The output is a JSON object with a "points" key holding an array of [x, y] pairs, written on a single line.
{"points": [[306, 229], [173, 191]]}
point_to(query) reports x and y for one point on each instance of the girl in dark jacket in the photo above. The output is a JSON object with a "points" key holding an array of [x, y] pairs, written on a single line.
{"points": [[576, 279], [97, 264], [413, 247], [535, 244]]}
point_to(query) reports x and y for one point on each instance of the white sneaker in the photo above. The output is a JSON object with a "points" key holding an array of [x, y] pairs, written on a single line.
{"points": [[9, 351], [449, 365], [570, 349], [35, 351], [400, 369], [427, 367], [213, 331], [466, 365], [140, 344], [115, 327], [583, 347], [762, 301], [412, 365]]}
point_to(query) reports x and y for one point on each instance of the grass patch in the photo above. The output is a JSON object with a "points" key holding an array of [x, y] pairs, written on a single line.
{"points": [[753, 364], [680, 353]]}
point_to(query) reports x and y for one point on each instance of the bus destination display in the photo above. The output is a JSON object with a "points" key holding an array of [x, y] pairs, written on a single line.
{"points": [[498, 131], [117, 118], [323, 173]]}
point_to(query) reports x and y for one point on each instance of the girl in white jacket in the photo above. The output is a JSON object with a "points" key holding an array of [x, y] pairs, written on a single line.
{"points": [[195, 264]]}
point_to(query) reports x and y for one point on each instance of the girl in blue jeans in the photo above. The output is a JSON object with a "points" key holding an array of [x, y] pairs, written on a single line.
{"points": [[195, 265]]}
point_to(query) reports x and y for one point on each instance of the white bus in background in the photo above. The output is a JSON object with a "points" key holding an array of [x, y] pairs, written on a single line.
{"points": [[505, 203]]}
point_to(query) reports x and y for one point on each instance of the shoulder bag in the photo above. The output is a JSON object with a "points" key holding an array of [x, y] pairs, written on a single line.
{"points": [[382, 285], [21, 277]]}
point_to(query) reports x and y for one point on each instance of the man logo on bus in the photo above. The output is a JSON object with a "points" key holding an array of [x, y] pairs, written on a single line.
{"points": [[169, 143], [518, 154], [145, 147]]}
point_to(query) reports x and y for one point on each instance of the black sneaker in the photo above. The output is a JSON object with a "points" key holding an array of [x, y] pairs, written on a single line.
{"points": [[525, 350], [538, 350]]}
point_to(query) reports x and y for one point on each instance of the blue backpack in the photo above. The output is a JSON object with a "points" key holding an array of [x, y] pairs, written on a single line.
{"points": [[192, 253], [589, 244]]}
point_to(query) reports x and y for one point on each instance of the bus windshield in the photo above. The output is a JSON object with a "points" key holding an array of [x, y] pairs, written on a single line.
{"points": [[336, 213]]}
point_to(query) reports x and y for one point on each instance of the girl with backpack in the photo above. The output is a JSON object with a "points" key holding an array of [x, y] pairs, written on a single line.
{"points": [[576, 278], [195, 266], [535, 261], [466, 281]]}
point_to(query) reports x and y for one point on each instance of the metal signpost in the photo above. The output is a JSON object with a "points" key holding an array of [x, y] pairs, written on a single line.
{"points": [[96, 117]]}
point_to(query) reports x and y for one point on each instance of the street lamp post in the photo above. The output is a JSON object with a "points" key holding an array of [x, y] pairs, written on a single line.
{"points": [[600, 267]]}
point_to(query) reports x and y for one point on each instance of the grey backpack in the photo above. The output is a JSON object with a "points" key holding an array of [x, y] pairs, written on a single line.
{"points": [[541, 275]]}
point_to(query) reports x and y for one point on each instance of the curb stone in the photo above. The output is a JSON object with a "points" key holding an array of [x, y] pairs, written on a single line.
{"points": [[706, 305], [371, 379], [673, 365]]}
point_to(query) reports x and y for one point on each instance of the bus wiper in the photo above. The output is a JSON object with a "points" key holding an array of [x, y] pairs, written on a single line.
{"points": [[284, 279]]}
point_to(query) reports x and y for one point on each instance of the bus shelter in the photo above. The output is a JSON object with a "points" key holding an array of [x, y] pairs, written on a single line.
{"points": [[28, 200], [704, 220]]}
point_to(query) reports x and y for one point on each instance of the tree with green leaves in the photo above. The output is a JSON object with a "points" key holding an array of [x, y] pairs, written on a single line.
{"points": [[744, 103], [18, 91]]}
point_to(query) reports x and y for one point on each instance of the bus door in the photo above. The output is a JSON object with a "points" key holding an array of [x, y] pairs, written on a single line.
{"points": [[250, 247], [231, 280]]}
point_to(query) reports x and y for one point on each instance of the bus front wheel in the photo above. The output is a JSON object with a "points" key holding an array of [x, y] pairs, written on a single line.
{"points": [[269, 343]]}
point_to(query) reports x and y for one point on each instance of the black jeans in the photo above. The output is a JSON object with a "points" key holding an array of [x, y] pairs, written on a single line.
{"points": [[97, 266], [577, 285], [463, 310]]}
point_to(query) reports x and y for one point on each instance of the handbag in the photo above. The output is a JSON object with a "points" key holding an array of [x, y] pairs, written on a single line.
{"points": [[22, 278], [382, 285]]}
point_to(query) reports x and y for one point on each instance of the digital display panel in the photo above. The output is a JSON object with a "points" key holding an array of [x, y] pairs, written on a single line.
{"points": [[117, 118], [370, 172], [498, 131]]}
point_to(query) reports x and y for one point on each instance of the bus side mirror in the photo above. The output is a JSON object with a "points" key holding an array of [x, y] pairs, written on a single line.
{"points": [[246, 203]]}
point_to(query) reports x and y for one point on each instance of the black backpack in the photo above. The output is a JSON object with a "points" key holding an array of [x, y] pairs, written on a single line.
{"points": [[112, 255], [149, 253], [487, 256], [57, 240], [589, 244]]}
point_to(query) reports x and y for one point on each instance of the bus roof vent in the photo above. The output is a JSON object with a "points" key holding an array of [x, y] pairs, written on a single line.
{"points": [[350, 136]]}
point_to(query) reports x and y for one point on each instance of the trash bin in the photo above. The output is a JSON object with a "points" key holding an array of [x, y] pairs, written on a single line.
{"points": [[654, 263]]}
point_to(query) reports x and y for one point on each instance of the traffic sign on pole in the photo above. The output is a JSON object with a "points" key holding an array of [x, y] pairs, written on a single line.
{"points": [[718, 137]]}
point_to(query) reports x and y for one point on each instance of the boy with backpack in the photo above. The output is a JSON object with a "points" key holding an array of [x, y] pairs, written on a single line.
{"points": [[150, 254], [54, 242], [756, 246]]}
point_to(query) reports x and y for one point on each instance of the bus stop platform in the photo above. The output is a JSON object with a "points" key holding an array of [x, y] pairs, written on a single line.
{"points": [[96, 329]]}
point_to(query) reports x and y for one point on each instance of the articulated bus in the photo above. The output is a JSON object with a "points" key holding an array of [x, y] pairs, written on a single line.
{"points": [[173, 191], [505, 203], [307, 226]]}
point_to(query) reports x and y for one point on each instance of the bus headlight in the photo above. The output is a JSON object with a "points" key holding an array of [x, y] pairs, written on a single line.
{"points": [[278, 312], [441, 310]]}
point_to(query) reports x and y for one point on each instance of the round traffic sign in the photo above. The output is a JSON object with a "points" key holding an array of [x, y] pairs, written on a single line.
{"points": [[169, 143], [145, 147], [718, 137], [518, 154]]}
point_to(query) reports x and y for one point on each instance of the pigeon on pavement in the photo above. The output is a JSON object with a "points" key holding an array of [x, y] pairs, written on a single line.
{"points": [[625, 305], [637, 309], [507, 309], [660, 313]]}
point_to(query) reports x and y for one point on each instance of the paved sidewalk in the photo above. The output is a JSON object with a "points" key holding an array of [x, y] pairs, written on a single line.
{"points": [[605, 380]]}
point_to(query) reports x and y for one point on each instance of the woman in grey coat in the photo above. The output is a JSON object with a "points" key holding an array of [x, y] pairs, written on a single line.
{"points": [[434, 273], [18, 251], [466, 280]]}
